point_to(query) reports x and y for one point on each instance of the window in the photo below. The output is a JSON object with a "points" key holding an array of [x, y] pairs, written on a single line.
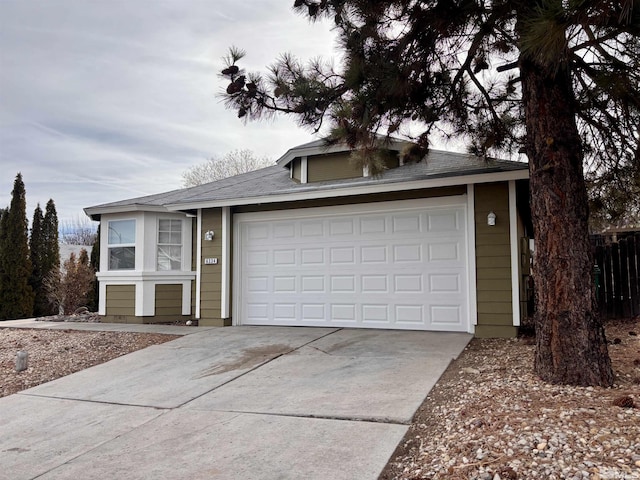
{"points": [[122, 245], [169, 244]]}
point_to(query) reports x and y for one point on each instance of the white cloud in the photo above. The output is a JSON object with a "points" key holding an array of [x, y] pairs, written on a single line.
{"points": [[101, 101]]}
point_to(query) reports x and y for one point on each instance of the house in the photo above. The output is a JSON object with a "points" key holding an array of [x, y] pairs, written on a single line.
{"points": [[440, 244]]}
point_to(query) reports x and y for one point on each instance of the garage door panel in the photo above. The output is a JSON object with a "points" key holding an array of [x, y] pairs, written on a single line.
{"points": [[342, 255], [341, 227], [312, 283], [407, 224], [410, 283], [372, 225], [375, 313], [409, 315], [444, 222], [284, 257], [439, 252], [445, 315], [407, 253], [312, 256], [373, 254], [441, 283], [397, 269]]}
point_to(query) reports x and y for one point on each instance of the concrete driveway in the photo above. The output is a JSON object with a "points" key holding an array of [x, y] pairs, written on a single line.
{"points": [[230, 403]]}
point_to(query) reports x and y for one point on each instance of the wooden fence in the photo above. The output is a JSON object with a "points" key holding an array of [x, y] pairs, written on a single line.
{"points": [[616, 274]]}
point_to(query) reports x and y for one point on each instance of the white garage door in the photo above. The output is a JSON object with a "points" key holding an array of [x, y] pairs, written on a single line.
{"points": [[400, 265]]}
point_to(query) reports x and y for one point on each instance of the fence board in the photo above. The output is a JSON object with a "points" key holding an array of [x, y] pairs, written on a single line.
{"points": [[600, 292], [615, 270], [619, 264], [608, 283], [625, 294], [634, 271]]}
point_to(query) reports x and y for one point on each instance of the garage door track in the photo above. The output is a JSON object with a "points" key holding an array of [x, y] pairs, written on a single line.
{"points": [[231, 403]]}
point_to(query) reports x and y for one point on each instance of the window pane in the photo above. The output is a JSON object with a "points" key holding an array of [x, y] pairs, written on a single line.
{"points": [[169, 257], [122, 231], [169, 245], [122, 258]]}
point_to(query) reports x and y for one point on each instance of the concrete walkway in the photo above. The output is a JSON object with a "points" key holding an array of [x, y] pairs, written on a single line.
{"points": [[104, 327], [230, 403]]}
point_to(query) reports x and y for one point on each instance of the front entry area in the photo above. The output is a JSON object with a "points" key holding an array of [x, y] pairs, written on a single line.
{"points": [[392, 265]]}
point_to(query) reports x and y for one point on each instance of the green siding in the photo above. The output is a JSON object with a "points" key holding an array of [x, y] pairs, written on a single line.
{"points": [[211, 275], [493, 261], [123, 319], [121, 304], [168, 300], [496, 331], [335, 166], [121, 300]]}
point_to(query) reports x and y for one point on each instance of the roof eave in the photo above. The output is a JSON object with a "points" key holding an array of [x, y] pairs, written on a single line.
{"points": [[95, 212], [443, 181]]}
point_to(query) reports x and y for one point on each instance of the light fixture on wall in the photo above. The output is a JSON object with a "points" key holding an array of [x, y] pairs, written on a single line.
{"points": [[208, 235], [491, 219]]}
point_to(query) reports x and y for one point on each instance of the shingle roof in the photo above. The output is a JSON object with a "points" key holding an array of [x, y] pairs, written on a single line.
{"points": [[275, 180]]}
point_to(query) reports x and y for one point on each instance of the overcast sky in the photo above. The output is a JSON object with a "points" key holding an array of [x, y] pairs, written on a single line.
{"points": [[102, 100]]}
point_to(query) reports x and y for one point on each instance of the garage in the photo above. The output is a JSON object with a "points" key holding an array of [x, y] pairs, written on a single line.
{"points": [[390, 265]]}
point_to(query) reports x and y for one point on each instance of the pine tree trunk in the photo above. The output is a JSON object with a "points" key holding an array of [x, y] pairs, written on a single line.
{"points": [[571, 347]]}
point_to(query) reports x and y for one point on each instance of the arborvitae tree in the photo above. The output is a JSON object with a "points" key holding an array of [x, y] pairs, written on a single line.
{"points": [[556, 79], [36, 253], [16, 296], [51, 246], [4, 213], [94, 296]]}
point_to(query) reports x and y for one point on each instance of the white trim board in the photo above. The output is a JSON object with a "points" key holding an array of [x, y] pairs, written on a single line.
{"points": [[225, 290], [471, 259], [515, 257]]}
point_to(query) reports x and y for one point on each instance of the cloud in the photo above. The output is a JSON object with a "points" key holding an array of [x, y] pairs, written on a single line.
{"points": [[101, 101]]}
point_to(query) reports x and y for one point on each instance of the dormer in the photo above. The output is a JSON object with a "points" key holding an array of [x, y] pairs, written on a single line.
{"points": [[318, 162]]}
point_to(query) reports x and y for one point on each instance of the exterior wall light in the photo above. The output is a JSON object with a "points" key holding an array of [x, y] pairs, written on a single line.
{"points": [[491, 219], [208, 235]]}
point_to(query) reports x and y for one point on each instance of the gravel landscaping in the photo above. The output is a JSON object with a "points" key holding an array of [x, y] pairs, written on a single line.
{"points": [[490, 418], [56, 353]]}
